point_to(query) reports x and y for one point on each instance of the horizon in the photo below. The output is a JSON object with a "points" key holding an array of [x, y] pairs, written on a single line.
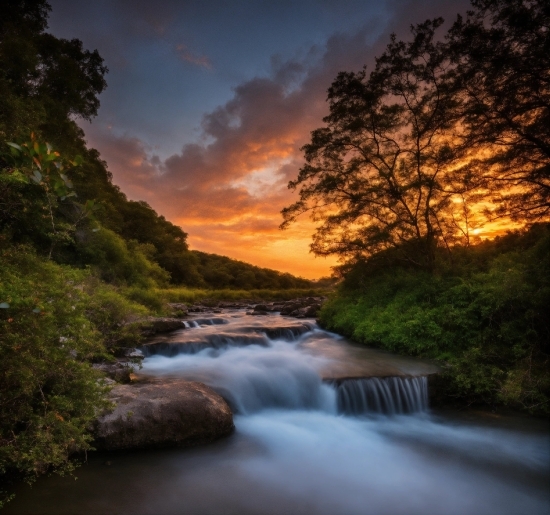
{"points": [[216, 159]]}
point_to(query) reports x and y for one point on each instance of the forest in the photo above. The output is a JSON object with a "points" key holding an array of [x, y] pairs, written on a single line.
{"points": [[448, 134]]}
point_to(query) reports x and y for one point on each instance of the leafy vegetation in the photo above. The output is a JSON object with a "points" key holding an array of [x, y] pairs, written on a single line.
{"points": [[485, 319], [80, 264], [49, 392], [446, 133]]}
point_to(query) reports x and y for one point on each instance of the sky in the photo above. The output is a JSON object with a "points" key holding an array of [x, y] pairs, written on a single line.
{"points": [[209, 102]]}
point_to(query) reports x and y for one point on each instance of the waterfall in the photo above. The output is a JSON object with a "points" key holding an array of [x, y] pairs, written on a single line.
{"points": [[185, 344], [389, 395]]}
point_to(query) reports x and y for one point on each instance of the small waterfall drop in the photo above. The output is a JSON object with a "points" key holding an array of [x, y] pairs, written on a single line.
{"points": [[388, 395]]}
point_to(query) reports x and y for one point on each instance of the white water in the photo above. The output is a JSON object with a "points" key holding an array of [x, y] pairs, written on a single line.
{"points": [[295, 452]]}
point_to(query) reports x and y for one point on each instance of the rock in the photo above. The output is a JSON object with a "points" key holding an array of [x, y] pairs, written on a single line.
{"points": [[162, 414], [118, 371], [178, 306], [301, 308], [135, 354], [260, 307], [154, 325], [179, 310], [311, 311]]}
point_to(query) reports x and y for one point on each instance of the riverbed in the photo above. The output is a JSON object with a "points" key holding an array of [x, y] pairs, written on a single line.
{"points": [[322, 427]]}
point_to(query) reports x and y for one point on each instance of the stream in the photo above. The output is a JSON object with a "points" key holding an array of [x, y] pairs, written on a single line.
{"points": [[323, 427]]}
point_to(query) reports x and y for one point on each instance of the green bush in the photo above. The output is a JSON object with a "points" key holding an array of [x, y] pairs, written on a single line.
{"points": [[121, 262], [49, 392], [486, 320], [114, 316]]}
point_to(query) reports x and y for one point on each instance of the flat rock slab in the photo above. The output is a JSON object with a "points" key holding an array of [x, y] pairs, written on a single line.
{"points": [[155, 325], [165, 413]]}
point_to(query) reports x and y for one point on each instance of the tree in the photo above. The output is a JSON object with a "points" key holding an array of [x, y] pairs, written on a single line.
{"points": [[380, 174], [44, 80], [501, 52]]}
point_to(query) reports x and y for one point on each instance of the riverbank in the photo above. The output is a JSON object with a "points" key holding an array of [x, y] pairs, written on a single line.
{"points": [[301, 443], [485, 319]]}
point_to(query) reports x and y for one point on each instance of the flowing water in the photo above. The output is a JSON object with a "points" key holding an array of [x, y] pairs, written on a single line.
{"points": [[322, 427]]}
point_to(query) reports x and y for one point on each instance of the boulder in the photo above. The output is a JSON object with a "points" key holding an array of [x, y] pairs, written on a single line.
{"points": [[161, 414], [119, 371]]}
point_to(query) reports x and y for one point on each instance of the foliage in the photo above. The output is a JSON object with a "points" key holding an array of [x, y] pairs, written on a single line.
{"points": [[443, 134], [118, 261], [48, 390], [43, 80], [501, 54], [194, 295], [381, 173], [36, 162], [223, 272], [486, 319]]}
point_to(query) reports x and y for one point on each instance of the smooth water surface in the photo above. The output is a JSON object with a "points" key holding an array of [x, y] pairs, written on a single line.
{"points": [[310, 438]]}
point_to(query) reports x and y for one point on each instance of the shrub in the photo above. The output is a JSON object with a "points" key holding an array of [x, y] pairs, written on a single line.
{"points": [[49, 392]]}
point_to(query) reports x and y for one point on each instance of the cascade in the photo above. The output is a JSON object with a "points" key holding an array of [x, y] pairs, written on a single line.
{"points": [[211, 341], [389, 395]]}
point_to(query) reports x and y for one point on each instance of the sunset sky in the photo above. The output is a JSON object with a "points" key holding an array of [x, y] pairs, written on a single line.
{"points": [[209, 102]]}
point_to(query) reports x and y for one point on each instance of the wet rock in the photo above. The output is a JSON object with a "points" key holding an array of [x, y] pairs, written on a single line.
{"points": [[261, 307], [155, 325], [135, 354], [178, 305], [161, 414], [301, 308]]}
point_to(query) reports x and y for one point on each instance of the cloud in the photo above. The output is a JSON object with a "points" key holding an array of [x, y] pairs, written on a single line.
{"points": [[185, 54], [227, 192]]}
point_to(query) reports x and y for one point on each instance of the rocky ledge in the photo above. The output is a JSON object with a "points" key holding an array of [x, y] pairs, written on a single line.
{"points": [[161, 414], [155, 325], [307, 307]]}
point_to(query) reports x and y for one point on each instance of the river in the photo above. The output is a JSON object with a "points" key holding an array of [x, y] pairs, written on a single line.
{"points": [[322, 427]]}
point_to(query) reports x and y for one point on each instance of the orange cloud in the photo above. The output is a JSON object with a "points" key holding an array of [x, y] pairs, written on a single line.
{"points": [[228, 193]]}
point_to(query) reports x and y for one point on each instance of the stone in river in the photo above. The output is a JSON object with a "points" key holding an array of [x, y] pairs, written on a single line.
{"points": [[162, 414]]}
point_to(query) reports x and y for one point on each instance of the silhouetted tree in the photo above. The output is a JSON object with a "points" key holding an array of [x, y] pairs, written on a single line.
{"points": [[380, 174], [501, 51]]}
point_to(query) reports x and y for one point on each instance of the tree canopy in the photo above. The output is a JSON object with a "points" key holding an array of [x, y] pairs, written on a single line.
{"points": [[440, 129], [501, 54]]}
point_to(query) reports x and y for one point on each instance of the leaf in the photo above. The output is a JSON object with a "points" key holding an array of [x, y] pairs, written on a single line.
{"points": [[14, 145], [37, 176], [36, 310], [4, 305]]}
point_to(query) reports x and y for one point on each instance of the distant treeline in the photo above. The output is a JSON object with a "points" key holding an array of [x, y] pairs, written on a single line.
{"points": [[59, 199]]}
